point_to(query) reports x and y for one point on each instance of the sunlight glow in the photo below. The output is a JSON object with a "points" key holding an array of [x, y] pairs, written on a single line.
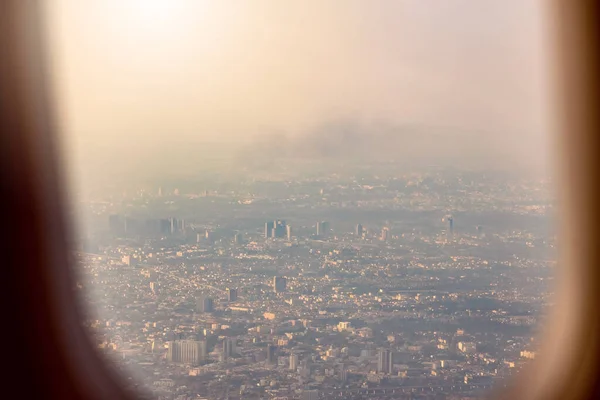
{"points": [[154, 14]]}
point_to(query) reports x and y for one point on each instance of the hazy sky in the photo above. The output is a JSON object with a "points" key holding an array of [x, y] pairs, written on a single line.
{"points": [[152, 71]]}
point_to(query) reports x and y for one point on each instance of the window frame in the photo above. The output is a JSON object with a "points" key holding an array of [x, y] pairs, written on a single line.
{"points": [[46, 313]]}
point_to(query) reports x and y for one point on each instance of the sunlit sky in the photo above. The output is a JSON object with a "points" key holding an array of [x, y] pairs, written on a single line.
{"points": [[149, 71]]}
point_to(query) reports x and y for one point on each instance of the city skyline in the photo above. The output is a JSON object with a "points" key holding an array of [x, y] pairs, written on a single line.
{"points": [[434, 280]]}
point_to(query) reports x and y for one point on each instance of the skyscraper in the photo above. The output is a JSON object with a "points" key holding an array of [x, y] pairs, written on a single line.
{"points": [[186, 351], [289, 232], [279, 284], [385, 362], [271, 354], [322, 228], [238, 238], [279, 228], [276, 229], [227, 348], [450, 227], [293, 362], [343, 375], [204, 304], [232, 294], [359, 230], [269, 229], [304, 368], [385, 234]]}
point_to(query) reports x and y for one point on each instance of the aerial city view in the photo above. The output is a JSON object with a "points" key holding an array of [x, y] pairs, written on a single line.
{"points": [[308, 199], [380, 282]]}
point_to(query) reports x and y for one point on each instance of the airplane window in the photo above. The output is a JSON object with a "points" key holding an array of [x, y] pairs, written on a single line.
{"points": [[308, 199]]}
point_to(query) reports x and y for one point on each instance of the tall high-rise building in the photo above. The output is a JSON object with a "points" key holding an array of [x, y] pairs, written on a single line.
{"points": [[343, 374], [204, 304], [450, 227], [322, 228], [385, 234], [238, 238], [210, 236], [385, 362], [128, 260], [359, 230], [279, 284], [276, 229], [269, 229], [304, 368], [186, 351], [293, 361], [279, 229], [289, 232], [272, 354], [232, 294], [227, 348], [479, 231]]}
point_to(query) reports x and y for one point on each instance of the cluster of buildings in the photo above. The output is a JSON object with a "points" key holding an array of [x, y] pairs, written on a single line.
{"points": [[422, 306]]}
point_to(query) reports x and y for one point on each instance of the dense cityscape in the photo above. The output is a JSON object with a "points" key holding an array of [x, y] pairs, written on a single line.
{"points": [[372, 282]]}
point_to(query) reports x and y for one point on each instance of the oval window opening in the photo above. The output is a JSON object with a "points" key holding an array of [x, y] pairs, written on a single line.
{"points": [[309, 200]]}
